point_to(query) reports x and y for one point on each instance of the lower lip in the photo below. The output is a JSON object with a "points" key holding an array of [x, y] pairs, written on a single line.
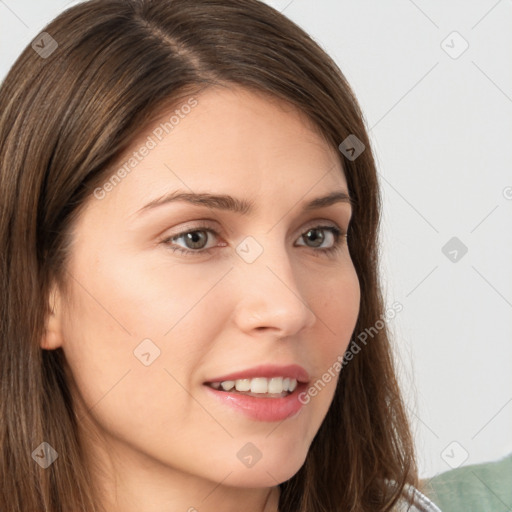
{"points": [[262, 409]]}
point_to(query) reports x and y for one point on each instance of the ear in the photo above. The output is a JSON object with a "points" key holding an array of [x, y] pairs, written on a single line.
{"points": [[52, 337]]}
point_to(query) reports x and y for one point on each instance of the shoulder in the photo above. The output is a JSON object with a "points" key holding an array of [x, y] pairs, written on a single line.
{"points": [[482, 486]]}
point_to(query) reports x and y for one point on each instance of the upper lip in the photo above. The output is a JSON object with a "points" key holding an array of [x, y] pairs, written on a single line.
{"points": [[292, 371]]}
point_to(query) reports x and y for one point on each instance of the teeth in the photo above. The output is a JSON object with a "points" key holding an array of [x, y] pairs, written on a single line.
{"points": [[274, 385], [227, 385], [259, 385], [243, 384]]}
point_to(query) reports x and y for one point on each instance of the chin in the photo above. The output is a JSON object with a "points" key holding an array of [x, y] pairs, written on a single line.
{"points": [[274, 467], [268, 475]]}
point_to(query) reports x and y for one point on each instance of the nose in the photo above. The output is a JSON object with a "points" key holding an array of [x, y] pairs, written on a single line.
{"points": [[271, 298]]}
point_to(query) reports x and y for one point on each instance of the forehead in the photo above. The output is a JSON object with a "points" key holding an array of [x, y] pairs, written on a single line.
{"points": [[235, 122], [232, 141]]}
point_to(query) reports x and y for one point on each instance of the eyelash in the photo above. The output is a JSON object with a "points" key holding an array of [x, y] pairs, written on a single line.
{"points": [[339, 238]]}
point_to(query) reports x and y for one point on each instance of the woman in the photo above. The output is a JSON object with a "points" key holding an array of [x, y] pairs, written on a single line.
{"points": [[189, 226]]}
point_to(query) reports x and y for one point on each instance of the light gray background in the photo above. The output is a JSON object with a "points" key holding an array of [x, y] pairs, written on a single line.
{"points": [[441, 129]]}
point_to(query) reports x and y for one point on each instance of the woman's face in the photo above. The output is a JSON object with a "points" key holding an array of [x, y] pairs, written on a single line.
{"points": [[168, 300]]}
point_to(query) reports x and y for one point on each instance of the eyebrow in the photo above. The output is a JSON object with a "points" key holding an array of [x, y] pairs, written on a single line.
{"points": [[240, 206]]}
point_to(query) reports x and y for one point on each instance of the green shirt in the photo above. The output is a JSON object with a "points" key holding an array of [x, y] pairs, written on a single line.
{"points": [[485, 487]]}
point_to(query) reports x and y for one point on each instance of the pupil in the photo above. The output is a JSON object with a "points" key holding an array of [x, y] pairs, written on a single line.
{"points": [[317, 240], [196, 239]]}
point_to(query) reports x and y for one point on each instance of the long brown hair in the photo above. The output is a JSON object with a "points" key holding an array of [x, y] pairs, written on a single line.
{"points": [[65, 116]]}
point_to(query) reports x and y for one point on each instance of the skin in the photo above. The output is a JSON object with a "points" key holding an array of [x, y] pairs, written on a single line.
{"points": [[156, 440]]}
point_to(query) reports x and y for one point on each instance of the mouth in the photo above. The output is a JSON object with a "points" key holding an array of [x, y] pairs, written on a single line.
{"points": [[264, 393], [259, 387]]}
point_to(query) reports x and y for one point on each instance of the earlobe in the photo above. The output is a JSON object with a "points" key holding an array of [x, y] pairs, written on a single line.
{"points": [[52, 337]]}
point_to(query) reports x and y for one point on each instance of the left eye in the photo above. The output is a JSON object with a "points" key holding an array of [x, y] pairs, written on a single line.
{"points": [[196, 240], [312, 235]]}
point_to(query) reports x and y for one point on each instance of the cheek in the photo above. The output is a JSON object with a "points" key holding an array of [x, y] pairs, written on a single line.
{"points": [[130, 383], [131, 332], [336, 304]]}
